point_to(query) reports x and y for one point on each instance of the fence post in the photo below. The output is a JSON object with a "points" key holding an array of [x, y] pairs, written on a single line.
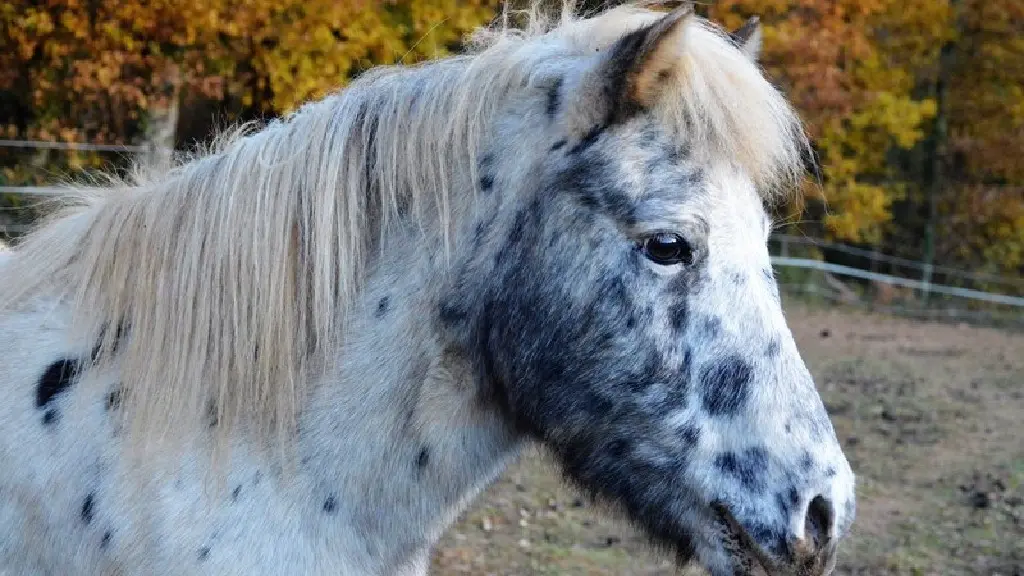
{"points": [[926, 280], [162, 122]]}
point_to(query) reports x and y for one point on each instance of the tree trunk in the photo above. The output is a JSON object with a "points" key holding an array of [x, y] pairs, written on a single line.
{"points": [[936, 181]]}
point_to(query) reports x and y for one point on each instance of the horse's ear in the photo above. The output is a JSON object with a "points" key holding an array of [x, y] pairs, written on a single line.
{"points": [[639, 63], [748, 38]]}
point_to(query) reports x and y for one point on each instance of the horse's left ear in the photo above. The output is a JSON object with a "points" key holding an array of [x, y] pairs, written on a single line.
{"points": [[748, 38]]}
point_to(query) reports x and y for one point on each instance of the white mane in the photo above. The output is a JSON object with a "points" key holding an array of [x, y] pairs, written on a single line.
{"points": [[234, 271]]}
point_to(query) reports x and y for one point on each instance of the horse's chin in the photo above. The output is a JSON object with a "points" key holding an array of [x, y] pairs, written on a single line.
{"points": [[740, 562], [741, 556]]}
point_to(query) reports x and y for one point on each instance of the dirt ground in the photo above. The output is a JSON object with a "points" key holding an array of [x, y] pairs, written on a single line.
{"points": [[931, 417]]}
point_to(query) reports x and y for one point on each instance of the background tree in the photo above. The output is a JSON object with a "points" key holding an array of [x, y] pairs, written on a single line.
{"points": [[981, 207], [850, 68], [869, 77], [93, 70]]}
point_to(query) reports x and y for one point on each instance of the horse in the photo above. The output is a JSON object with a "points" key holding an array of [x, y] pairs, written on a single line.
{"points": [[308, 347]]}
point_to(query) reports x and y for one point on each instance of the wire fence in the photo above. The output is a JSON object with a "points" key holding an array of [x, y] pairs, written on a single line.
{"points": [[897, 281], [33, 190], [906, 290], [68, 146], [79, 146], [787, 241]]}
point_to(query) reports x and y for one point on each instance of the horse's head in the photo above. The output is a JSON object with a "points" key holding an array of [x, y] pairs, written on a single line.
{"points": [[617, 294]]}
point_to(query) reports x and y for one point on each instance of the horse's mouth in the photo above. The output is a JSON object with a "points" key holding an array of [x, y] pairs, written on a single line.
{"points": [[748, 558], [745, 557]]}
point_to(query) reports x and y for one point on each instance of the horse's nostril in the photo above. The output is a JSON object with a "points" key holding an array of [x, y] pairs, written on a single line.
{"points": [[818, 524]]}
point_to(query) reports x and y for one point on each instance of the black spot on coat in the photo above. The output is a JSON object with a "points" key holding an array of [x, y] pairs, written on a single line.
{"points": [[678, 312], [553, 98], [56, 379], [689, 436], [203, 553], [515, 234], [50, 417], [105, 541], [423, 458], [597, 187], [748, 467], [725, 385], [114, 400], [211, 414], [486, 183], [330, 505], [87, 508], [806, 462], [382, 307]]}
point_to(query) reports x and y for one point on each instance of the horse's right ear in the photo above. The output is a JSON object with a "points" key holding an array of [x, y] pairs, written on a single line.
{"points": [[629, 75], [639, 63]]}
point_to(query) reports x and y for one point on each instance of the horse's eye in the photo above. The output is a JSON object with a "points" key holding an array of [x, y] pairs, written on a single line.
{"points": [[667, 249]]}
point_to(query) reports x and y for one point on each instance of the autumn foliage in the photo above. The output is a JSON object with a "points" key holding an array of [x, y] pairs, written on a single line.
{"points": [[915, 107], [906, 101], [90, 69]]}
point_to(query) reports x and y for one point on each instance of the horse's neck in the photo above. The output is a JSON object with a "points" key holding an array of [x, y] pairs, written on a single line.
{"points": [[398, 439]]}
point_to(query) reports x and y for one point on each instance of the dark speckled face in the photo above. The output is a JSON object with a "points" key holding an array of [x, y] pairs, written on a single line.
{"points": [[631, 323], [620, 303]]}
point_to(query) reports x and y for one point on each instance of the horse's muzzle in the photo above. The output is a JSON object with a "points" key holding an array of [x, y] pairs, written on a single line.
{"points": [[812, 554]]}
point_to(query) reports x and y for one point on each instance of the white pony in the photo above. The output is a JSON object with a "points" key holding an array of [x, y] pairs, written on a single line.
{"points": [[306, 350]]}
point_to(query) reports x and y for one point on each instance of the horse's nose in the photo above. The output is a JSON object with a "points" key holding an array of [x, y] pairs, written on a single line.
{"points": [[820, 521], [814, 552], [804, 542]]}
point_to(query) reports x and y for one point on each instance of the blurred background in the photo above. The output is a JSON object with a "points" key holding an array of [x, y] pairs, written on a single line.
{"points": [[901, 266]]}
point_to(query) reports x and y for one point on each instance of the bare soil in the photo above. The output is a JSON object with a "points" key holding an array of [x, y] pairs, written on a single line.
{"points": [[931, 417]]}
